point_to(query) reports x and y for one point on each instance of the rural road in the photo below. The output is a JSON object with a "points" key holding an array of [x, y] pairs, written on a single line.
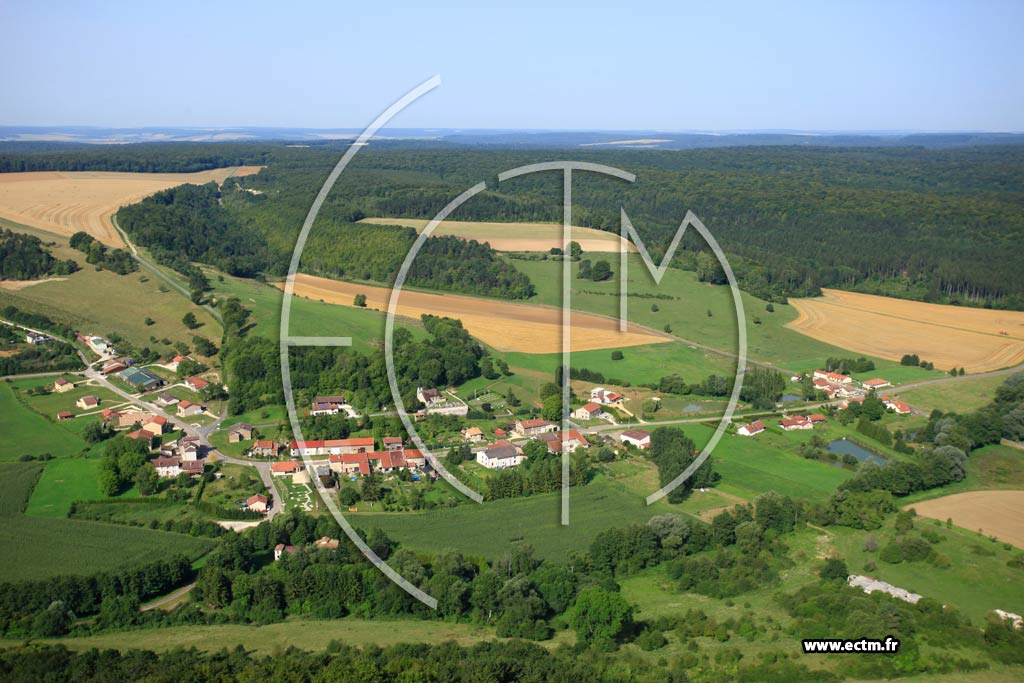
{"points": [[170, 597]]}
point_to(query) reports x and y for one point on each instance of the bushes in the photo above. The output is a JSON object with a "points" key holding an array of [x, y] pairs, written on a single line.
{"points": [[906, 549]]}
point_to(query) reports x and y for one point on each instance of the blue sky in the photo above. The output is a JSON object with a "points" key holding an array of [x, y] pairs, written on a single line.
{"points": [[902, 65]]}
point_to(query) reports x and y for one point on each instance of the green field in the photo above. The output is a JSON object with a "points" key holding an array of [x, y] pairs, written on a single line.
{"points": [[992, 467], [63, 482], [24, 431], [306, 634], [961, 396], [770, 341], [40, 547]]}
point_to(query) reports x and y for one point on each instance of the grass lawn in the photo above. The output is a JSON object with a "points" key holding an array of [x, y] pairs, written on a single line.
{"points": [[40, 547], [991, 467], [237, 482], [50, 404], [24, 431]]}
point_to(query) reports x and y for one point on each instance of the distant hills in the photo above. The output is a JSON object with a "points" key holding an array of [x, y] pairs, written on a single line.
{"points": [[56, 137]]}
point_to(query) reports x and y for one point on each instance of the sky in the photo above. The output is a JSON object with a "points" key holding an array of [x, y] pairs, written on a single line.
{"points": [[722, 66]]}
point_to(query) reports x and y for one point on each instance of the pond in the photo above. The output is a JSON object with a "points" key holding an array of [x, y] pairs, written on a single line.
{"points": [[692, 408], [844, 447], [789, 398]]}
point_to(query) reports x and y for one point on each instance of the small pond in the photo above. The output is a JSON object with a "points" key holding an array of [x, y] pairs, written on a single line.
{"points": [[692, 408], [789, 398], [844, 447]]}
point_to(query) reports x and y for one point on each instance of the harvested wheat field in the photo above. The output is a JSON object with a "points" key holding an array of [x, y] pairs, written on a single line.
{"points": [[514, 236], [949, 336], [995, 513], [502, 325], [66, 202]]}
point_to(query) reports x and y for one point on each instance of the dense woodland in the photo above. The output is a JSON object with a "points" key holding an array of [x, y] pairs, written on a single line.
{"points": [[23, 257], [175, 157]]}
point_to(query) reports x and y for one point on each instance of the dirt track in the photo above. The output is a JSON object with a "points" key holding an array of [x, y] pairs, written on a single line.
{"points": [[976, 339], [503, 325]]}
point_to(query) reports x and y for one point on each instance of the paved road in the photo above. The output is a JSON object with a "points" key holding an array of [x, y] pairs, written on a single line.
{"points": [[958, 378]]}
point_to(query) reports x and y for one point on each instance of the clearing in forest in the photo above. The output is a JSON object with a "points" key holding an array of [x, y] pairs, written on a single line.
{"points": [[976, 339], [514, 236], [65, 202], [503, 325]]}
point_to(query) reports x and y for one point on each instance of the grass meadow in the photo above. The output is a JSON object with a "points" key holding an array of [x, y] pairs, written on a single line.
{"points": [[40, 547], [25, 432]]}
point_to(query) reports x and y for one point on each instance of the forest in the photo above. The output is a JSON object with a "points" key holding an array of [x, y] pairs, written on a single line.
{"points": [[23, 257]]}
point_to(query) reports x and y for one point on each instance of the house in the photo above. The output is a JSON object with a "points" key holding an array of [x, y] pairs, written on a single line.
{"points": [[188, 447], [285, 467], [325, 409], [360, 444], [196, 384], [141, 435], [898, 407], [751, 429], [257, 503], [265, 448], [33, 338], [877, 384], [796, 422], [350, 463], [605, 397], [87, 402], [392, 443], [109, 414], [157, 425], [141, 379], [846, 404], [500, 455], [832, 377], [636, 437], [191, 467], [534, 427], [568, 440], [167, 466], [165, 399], [173, 364], [816, 418], [298, 449], [127, 418], [242, 431], [500, 433], [590, 411], [327, 543], [280, 549], [61, 385], [64, 415], [188, 409], [473, 435]]}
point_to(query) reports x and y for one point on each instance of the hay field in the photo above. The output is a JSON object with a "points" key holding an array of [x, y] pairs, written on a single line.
{"points": [[976, 339], [514, 236], [502, 325], [66, 202], [995, 513]]}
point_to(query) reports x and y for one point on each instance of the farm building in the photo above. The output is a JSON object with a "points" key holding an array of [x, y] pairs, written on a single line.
{"points": [[796, 422], [877, 383], [636, 437], [499, 455], [534, 427], [324, 409], [141, 379], [34, 338], [590, 411], [242, 431], [64, 415], [832, 377], [898, 407], [112, 366], [285, 467], [87, 402], [568, 440], [61, 385], [605, 397], [751, 429], [165, 399]]}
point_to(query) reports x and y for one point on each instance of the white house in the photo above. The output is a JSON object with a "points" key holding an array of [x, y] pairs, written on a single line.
{"points": [[636, 437], [500, 455], [605, 397], [751, 429]]}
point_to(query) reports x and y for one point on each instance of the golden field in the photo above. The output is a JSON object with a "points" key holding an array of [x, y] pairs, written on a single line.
{"points": [[503, 325], [976, 339], [994, 513], [514, 236], [66, 202]]}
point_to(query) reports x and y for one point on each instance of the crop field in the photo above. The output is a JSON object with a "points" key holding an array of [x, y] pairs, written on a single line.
{"points": [[514, 236], [994, 513], [26, 432], [40, 547], [503, 325], [66, 202], [949, 336], [703, 314]]}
